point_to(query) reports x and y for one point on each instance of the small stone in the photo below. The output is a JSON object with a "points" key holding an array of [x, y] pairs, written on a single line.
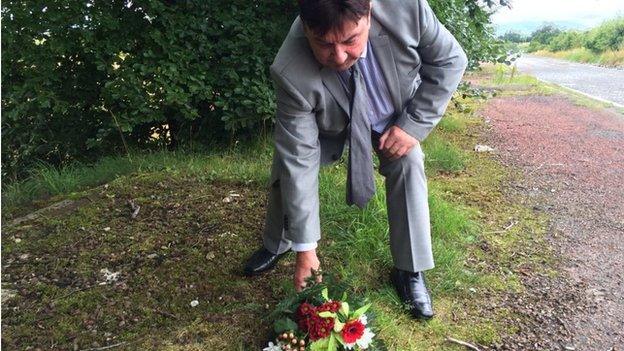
{"points": [[107, 229], [152, 256], [17, 240], [483, 148], [194, 303], [109, 276]]}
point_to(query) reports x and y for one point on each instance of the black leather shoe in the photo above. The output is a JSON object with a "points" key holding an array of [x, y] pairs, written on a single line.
{"points": [[412, 290], [261, 261]]}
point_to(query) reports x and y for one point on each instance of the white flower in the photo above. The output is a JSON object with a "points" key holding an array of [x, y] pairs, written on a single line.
{"points": [[273, 347], [194, 303], [366, 339], [363, 319]]}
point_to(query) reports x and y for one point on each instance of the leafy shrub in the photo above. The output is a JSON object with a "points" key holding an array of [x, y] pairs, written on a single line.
{"points": [[77, 74], [608, 36], [542, 36], [85, 79], [514, 37], [565, 41], [469, 21]]}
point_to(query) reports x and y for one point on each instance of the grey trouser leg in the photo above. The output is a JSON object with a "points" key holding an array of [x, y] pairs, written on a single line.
{"points": [[408, 209], [408, 212]]}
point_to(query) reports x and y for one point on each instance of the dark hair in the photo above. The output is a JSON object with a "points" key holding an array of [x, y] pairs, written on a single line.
{"points": [[322, 16]]}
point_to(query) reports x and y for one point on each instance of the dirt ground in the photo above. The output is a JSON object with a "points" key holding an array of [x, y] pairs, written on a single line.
{"points": [[571, 160]]}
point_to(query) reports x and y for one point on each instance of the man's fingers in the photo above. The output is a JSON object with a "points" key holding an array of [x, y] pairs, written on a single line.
{"points": [[390, 142], [299, 286], [382, 140]]}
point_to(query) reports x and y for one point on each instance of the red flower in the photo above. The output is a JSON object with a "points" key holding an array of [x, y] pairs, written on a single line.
{"points": [[303, 315], [305, 310], [331, 306], [352, 331], [319, 327], [304, 324]]}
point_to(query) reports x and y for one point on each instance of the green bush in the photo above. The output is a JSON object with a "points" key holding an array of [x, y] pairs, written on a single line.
{"points": [[81, 80], [469, 22], [608, 36], [542, 36], [565, 41], [76, 74]]}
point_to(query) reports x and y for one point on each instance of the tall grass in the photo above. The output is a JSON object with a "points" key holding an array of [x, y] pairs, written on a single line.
{"points": [[612, 58], [46, 181]]}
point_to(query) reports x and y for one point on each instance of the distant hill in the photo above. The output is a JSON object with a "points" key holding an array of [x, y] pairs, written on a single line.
{"points": [[528, 27]]}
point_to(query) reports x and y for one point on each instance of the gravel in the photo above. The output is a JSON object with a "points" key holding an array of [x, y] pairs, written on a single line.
{"points": [[572, 164]]}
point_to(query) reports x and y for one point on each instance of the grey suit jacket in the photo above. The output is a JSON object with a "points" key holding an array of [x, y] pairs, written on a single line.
{"points": [[422, 63]]}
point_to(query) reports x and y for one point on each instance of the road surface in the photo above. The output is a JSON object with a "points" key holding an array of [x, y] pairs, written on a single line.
{"points": [[599, 82]]}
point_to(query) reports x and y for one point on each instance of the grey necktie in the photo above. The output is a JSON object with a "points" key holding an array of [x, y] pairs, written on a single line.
{"points": [[360, 179]]}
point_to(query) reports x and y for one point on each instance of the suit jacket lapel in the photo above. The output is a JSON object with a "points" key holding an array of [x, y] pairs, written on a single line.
{"points": [[332, 83], [383, 53]]}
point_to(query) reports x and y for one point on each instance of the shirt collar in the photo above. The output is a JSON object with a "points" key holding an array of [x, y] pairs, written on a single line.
{"points": [[365, 51]]}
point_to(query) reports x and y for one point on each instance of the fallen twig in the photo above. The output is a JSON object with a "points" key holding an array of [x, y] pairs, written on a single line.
{"points": [[135, 208], [105, 347], [510, 225], [463, 343], [166, 314], [504, 229], [73, 292]]}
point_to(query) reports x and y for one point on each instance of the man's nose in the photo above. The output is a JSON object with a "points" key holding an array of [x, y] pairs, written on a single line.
{"points": [[339, 55]]}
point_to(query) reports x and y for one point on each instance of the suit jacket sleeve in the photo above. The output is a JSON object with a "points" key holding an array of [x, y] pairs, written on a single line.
{"points": [[443, 65], [298, 151]]}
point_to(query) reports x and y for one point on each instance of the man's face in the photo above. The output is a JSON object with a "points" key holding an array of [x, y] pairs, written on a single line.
{"points": [[340, 48]]}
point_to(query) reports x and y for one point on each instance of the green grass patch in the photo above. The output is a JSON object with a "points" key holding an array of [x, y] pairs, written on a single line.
{"points": [[46, 181], [442, 156]]}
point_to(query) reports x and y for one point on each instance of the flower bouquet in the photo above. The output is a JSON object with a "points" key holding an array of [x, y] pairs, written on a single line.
{"points": [[313, 320]]}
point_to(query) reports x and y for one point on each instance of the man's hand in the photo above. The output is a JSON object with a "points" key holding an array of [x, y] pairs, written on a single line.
{"points": [[396, 143], [306, 262]]}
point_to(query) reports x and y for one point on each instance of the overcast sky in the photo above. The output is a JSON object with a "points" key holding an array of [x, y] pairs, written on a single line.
{"points": [[587, 12]]}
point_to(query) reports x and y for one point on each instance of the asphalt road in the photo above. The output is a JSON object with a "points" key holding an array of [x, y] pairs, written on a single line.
{"points": [[598, 82]]}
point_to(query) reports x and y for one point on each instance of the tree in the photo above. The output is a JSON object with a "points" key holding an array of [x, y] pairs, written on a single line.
{"points": [[514, 37]]}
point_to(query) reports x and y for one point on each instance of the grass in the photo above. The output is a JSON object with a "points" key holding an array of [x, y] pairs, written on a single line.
{"points": [[610, 58], [187, 243], [46, 182]]}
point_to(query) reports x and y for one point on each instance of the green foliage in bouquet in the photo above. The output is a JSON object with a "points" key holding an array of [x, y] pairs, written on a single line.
{"points": [[324, 317]]}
